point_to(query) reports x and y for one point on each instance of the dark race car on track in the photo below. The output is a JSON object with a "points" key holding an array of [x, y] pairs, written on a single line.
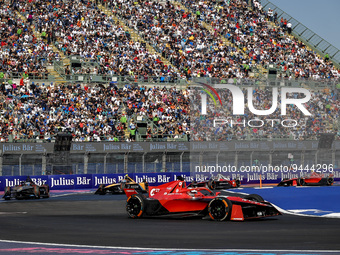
{"points": [[27, 189], [118, 188], [217, 182], [313, 179], [174, 199]]}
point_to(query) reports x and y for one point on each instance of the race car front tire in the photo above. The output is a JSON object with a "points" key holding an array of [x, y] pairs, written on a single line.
{"points": [[219, 209], [7, 194], [212, 185], [330, 181], [101, 190], [36, 192], [301, 182], [254, 197], [135, 206]]}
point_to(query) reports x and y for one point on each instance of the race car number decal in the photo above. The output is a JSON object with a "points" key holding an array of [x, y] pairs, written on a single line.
{"points": [[153, 192]]}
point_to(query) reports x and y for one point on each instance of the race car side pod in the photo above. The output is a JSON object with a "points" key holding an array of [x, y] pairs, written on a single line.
{"points": [[237, 213], [130, 192]]}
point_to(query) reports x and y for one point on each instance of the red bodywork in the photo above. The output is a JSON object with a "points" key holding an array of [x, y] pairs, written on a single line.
{"points": [[174, 198]]}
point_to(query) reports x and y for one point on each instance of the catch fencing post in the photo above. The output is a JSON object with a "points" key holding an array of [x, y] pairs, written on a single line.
{"points": [[164, 162], [86, 161], [181, 162], [143, 162], [126, 162], [20, 171], [43, 163], [105, 162]]}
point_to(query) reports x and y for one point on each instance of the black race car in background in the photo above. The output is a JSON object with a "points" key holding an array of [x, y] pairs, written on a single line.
{"points": [[27, 189], [217, 182]]}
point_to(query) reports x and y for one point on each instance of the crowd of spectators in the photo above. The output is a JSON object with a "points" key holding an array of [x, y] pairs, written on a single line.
{"points": [[263, 37], [96, 113], [220, 123], [80, 28], [179, 36], [198, 51], [109, 113], [21, 53]]}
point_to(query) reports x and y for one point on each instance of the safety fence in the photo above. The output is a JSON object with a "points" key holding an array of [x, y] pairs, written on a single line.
{"points": [[108, 78], [92, 181], [131, 158]]}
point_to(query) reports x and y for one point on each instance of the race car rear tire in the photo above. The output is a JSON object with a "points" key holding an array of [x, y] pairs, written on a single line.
{"points": [[36, 192], [47, 188], [211, 184], [135, 206], [219, 209], [254, 197], [330, 181], [7, 194], [46, 193], [301, 182]]}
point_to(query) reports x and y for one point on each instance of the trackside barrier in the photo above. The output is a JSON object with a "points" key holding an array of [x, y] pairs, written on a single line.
{"points": [[91, 181]]}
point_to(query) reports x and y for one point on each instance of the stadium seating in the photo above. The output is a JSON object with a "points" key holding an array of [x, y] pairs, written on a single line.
{"points": [[226, 41]]}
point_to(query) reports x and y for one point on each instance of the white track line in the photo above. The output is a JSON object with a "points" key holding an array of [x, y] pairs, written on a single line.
{"points": [[330, 215], [165, 249], [5, 213], [72, 193]]}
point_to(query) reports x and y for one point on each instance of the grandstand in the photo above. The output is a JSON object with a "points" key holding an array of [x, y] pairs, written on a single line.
{"points": [[115, 71], [97, 68]]}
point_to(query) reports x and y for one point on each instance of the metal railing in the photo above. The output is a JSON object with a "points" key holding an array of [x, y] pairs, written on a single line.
{"points": [[308, 83], [51, 138], [306, 35], [143, 138], [82, 163], [107, 138], [162, 138], [39, 77], [107, 78]]}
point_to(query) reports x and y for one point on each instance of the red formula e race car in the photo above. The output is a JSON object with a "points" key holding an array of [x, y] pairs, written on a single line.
{"points": [[174, 199], [313, 179], [217, 182]]}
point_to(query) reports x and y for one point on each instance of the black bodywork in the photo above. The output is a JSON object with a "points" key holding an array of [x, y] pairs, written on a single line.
{"points": [[27, 189]]}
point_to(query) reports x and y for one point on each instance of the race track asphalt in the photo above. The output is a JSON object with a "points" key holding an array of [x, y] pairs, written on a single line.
{"points": [[86, 219]]}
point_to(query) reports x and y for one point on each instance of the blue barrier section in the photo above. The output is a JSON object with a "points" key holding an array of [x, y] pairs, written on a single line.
{"points": [[91, 181], [322, 200]]}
